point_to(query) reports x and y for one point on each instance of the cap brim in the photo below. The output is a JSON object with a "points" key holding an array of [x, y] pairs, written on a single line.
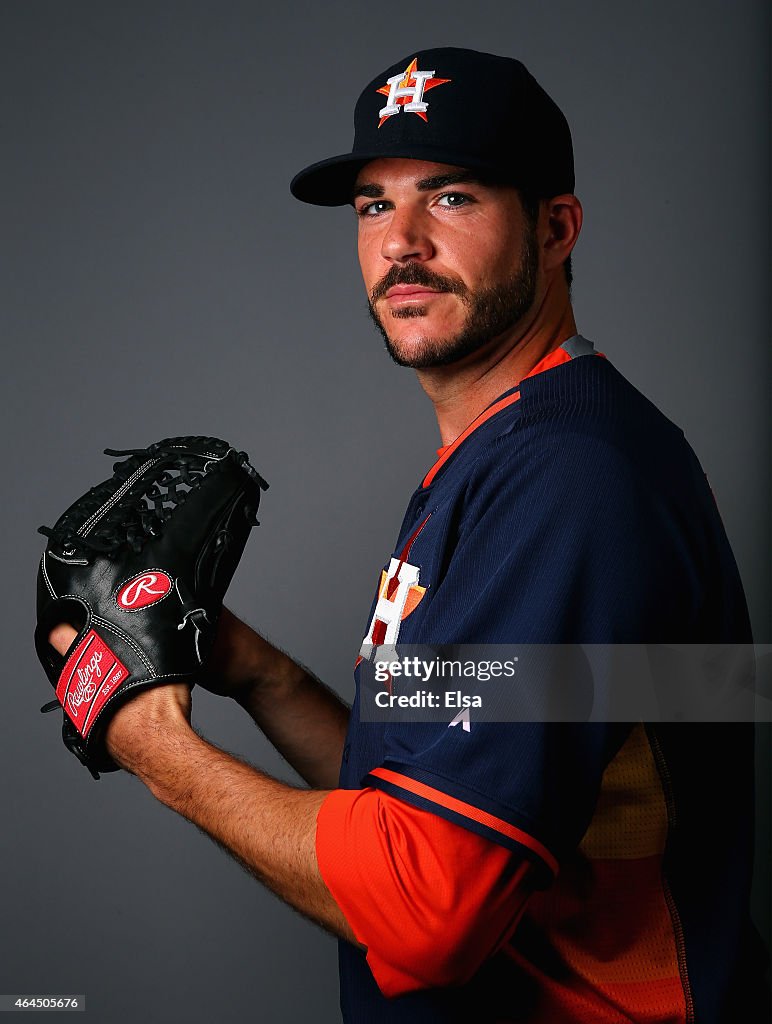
{"points": [[331, 182]]}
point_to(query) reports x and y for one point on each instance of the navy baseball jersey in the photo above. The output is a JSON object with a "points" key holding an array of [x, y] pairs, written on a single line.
{"points": [[573, 511]]}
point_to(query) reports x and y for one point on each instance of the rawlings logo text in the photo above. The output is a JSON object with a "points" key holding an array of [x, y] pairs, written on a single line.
{"points": [[86, 687], [91, 674]]}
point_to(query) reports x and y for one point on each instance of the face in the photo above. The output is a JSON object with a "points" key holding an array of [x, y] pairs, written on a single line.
{"points": [[449, 263]]}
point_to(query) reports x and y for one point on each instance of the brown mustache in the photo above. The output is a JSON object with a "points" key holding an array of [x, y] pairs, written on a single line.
{"points": [[415, 273]]}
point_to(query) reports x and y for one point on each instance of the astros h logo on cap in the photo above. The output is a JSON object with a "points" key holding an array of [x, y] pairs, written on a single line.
{"points": [[406, 92]]}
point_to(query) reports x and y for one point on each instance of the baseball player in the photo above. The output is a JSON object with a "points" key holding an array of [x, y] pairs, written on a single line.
{"points": [[493, 871]]}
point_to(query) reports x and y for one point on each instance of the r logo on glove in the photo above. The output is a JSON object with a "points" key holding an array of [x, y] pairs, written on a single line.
{"points": [[142, 590]]}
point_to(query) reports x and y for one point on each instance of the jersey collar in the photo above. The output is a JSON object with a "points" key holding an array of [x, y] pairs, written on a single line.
{"points": [[570, 349]]}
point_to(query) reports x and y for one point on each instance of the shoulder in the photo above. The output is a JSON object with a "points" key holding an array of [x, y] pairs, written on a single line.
{"points": [[593, 472], [583, 426], [590, 397]]}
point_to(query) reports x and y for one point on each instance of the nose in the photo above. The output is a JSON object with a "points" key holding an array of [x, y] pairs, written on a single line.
{"points": [[406, 237]]}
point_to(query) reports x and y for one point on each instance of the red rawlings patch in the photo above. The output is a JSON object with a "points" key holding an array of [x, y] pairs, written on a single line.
{"points": [[143, 590], [90, 675]]}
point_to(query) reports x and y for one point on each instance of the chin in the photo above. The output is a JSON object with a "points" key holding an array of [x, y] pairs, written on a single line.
{"points": [[413, 356], [422, 353]]}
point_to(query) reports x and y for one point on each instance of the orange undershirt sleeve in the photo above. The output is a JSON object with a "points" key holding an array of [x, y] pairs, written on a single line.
{"points": [[429, 899]]}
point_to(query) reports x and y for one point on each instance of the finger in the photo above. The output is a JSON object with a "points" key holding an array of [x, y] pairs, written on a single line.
{"points": [[61, 637]]}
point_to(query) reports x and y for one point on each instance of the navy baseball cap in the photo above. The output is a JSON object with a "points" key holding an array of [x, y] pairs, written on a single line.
{"points": [[452, 106]]}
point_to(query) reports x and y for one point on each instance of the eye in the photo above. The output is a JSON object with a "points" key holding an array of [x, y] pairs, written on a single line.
{"points": [[453, 200], [374, 208]]}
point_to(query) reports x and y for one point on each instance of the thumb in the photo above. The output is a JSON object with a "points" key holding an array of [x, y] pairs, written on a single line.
{"points": [[61, 637]]}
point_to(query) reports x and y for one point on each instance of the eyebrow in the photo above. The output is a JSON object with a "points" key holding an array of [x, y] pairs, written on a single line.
{"points": [[372, 190], [442, 180]]}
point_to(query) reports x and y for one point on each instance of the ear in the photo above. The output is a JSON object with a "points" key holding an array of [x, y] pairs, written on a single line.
{"points": [[562, 219]]}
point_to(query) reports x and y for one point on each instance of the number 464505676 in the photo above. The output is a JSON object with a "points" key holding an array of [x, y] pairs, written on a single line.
{"points": [[47, 1003]]}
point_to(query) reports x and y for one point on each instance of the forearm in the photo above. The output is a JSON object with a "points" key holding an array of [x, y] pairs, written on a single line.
{"points": [[269, 827], [306, 723], [301, 717], [266, 825]]}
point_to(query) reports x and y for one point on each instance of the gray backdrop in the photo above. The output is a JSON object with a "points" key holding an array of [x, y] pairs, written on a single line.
{"points": [[158, 279]]}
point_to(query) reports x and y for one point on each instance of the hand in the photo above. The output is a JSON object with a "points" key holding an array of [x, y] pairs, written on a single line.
{"points": [[240, 659], [153, 716]]}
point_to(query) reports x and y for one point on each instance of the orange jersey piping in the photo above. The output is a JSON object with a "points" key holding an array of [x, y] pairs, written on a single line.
{"points": [[436, 796]]}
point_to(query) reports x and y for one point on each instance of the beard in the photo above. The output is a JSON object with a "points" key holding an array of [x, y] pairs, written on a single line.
{"points": [[490, 311]]}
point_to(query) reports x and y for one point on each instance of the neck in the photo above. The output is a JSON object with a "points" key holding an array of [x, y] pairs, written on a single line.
{"points": [[460, 392]]}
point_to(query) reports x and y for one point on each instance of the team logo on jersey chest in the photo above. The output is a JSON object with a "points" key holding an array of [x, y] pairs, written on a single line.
{"points": [[406, 92], [399, 594]]}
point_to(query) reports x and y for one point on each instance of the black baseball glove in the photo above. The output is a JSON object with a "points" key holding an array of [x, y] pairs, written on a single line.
{"points": [[140, 565]]}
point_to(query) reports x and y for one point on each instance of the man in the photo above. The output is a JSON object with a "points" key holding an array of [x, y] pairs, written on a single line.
{"points": [[522, 871]]}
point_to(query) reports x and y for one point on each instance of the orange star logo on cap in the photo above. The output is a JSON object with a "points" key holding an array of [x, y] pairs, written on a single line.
{"points": [[406, 92]]}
